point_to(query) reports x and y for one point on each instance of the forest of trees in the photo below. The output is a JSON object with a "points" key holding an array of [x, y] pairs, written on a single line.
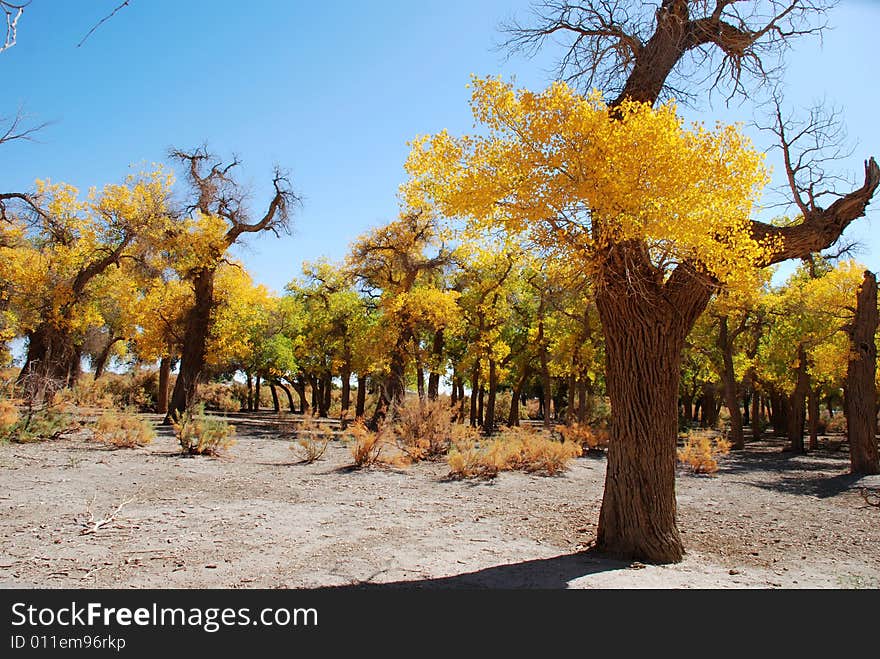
{"points": [[585, 251]]}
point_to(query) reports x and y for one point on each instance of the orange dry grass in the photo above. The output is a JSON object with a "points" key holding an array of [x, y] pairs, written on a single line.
{"points": [[516, 450], [123, 430], [700, 452]]}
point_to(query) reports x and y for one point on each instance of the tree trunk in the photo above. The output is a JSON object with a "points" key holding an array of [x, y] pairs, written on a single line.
{"points": [[164, 382], [326, 395], [475, 383], [861, 399], [50, 358], [757, 420], [644, 339], [300, 386], [195, 340], [103, 358], [513, 417], [287, 393], [257, 380], [728, 380], [420, 381], [436, 364], [345, 396], [395, 388], [276, 404], [481, 406], [797, 404], [250, 391], [813, 410], [489, 424], [361, 399]]}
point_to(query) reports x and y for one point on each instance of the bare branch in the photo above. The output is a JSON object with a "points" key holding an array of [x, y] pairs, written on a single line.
{"points": [[102, 21], [12, 11]]}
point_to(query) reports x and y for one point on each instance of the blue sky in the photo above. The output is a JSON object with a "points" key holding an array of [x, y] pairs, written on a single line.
{"points": [[330, 91]]}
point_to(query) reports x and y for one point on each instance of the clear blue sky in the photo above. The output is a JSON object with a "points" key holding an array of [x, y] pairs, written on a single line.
{"points": [[330, 91]]}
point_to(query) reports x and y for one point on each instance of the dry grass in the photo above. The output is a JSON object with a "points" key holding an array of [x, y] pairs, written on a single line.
{"points": [[701, 451], [8, 418], [123, 430], [591, 439], [198, 434], [515, 450], [366, 445], [311, 440], [422, 429]]}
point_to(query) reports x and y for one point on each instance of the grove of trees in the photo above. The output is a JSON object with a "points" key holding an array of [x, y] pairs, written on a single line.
{"points": [[583, 251]]}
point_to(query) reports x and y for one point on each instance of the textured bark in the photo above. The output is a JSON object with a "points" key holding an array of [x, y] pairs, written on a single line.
{"points": [[325, 395], [395, 387], [192, 359], [300, 386], [257, 382], [434, 377], [644, 338], [287, 393], [481, 400], [475, 383], [51, 355], [420, 381], [861, 402], [250, 391]]}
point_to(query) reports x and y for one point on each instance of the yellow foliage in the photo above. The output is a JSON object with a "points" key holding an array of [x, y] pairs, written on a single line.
{"points": [[579, 177], [701, 451]]}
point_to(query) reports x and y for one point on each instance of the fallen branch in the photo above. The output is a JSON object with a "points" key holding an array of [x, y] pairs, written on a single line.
{"points": [[868, 494], [92, 525]]}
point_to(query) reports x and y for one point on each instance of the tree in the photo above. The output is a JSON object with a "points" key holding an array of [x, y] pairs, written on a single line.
{"points": [[662, 214], [218, 218], [861, 391]]}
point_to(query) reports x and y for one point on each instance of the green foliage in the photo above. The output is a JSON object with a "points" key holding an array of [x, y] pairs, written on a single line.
{"points": [[199, 434]]}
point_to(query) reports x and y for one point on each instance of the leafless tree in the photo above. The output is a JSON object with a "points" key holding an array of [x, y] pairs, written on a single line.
{"points": [[616, 46]]}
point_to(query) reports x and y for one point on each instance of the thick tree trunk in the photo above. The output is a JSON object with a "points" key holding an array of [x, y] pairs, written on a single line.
{"points": [[395, 387], [257, 381], [361, 399], [644, 339], [728, 380], [420, 381], [481, 406], [489, 424], [299, 386], [708, 416], [195, 340], [164, 382], [861, 399], [50, 358]]}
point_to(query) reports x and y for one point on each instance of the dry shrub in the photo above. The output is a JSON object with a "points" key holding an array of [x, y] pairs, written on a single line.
{"points": [[199, 434], [220, 396], [701, 450], [88, 392], [311, 440], [41, 423], [9, 417], [123, 430], [515, 450], [588, 438], [366, 446], [422, 429]]}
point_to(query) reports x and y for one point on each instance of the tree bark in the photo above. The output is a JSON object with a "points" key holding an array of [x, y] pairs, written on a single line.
{"points": [[728, 380], [361, 399], [287, 393], [345, 395], [257, 380], [276, 404], [644, 339], [164, 382], [103, 358], [434, 377], [192, 359], [475, 383], [813, 414], [513, 417], [861, 399], [489, 423], [250, 391], [797, 404]]}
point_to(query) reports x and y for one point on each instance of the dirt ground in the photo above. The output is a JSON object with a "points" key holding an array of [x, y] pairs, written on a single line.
{"points": [[257, 519]]}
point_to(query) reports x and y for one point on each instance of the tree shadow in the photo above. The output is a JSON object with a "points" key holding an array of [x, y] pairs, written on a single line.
{"points": [[545, 573], [821, 487]]}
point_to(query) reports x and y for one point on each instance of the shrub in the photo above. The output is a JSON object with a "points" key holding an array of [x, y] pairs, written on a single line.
{"points": [[366, 445], [422, 429], [590, 439], [87, 392], [220, 396], [312, 440], [138, 389], [516, 449], [38, 424], [700, 452], [8, 418], [123, 430], [199, 434]]}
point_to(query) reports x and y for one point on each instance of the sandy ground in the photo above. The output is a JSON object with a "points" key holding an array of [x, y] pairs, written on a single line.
{"points": [[257, 519]]}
